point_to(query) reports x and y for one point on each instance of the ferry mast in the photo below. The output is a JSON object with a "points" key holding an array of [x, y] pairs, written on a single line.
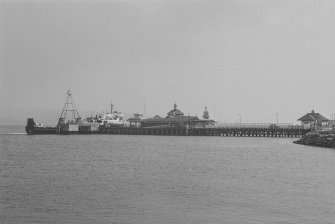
{"points": [[69, 106]]}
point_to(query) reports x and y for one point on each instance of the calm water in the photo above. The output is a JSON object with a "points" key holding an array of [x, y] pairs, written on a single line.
{"points": [[160, 179]]}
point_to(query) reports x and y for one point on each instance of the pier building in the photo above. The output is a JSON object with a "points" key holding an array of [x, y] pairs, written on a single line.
{"points": [[313, 119], [175, 123], [176, 118], [136, 120]]}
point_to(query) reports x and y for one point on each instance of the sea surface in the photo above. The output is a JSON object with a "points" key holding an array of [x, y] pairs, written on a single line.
{"points": [[120, 179]]}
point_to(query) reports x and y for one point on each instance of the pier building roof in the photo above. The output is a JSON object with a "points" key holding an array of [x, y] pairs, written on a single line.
{"points": [[175, 118], [158, 119], [313, 117], [175, 112], [134, 119]]}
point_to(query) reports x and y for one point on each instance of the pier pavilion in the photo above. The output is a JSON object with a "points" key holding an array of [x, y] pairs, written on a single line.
{"points": [[176, 118], [312, 119], [136, 120]]}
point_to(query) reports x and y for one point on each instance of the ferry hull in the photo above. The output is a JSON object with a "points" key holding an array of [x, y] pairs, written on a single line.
{"points": [[40, 131], [33, 129]]}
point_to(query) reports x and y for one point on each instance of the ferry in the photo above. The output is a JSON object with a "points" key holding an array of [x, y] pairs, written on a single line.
{"points": [[107, 119], [76, 125], [114, 118]]}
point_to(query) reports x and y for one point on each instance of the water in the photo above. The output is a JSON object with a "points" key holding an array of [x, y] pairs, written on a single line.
{"points": [[163, 179]]}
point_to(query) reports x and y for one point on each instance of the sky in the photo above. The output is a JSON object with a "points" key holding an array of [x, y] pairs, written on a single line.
{"points": [[248, 59]]}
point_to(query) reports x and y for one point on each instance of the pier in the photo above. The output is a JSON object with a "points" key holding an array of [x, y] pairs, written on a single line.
{"points": [[215, 131], [174, 124]]}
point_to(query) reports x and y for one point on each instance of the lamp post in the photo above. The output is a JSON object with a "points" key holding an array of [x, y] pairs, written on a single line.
{"points": [[220, 116], [240, 118], [277, 118], [214, 113]]}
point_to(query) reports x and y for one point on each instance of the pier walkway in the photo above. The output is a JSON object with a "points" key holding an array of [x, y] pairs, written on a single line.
{"points": [[285, 132]]}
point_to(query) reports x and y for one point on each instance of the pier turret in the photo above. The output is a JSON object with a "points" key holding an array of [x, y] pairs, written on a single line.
{"points": [[112, 107], [205, 114]]}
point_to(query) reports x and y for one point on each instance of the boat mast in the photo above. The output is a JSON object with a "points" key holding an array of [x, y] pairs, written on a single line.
{"points": [[112, 107]]}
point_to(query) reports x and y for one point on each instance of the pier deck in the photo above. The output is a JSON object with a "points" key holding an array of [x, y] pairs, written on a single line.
{"points": [[234, 132]]}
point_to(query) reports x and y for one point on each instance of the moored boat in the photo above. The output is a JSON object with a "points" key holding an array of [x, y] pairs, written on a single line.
{"points": [[76, 125]]}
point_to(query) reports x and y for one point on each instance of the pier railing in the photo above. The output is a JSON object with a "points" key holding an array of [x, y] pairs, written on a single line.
{"points": [[256, 125]]}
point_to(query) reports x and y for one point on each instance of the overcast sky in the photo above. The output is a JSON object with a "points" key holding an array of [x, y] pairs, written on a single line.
{"points": [[255, 58]]}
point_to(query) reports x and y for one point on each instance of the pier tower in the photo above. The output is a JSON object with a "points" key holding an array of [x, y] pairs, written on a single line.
{"points": [[205, 114], [175, 112]]}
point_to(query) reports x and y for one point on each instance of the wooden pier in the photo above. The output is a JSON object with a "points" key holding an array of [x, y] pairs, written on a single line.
{"points": [[216, 131]]}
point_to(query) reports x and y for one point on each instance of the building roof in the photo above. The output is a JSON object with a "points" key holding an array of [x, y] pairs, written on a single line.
{"points": [[313, 117], [182, 119], [205, 121], [179, 119], [155, 119], [175, 112], [134, 119]]}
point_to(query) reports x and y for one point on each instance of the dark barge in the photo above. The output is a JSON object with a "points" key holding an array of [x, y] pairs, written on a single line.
{"points": [[34, 129]]}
